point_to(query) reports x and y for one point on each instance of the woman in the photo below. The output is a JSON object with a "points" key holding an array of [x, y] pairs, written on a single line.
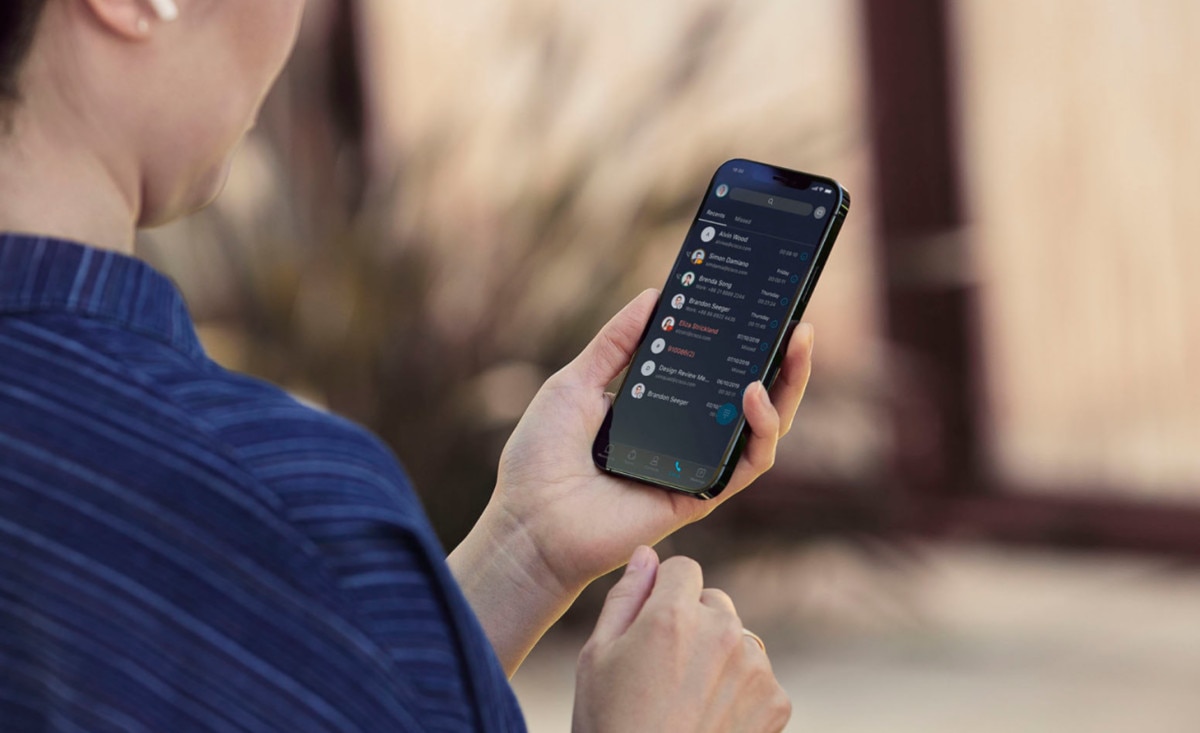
{"points": [[185, 548]]}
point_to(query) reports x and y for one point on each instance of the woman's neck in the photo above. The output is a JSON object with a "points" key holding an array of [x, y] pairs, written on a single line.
{"points": [[52, 183]]}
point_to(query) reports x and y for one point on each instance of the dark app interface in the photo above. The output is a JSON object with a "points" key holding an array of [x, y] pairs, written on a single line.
{"points": [[722, 311]]}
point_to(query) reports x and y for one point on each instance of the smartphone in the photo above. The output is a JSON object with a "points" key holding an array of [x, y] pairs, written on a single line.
{"points": [[745, 272]]}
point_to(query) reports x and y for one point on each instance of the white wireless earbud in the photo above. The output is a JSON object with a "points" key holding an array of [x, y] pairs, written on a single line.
{"points": [[166, 10]]}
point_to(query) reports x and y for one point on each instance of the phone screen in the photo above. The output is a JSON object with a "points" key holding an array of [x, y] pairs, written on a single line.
{"points": [[745, 271]]}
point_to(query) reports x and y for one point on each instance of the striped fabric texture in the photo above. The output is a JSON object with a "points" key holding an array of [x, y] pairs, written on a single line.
{"points": [[183, 548]]}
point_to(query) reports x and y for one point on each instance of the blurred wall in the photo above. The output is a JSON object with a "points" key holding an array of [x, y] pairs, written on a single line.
{"points": [[1082, 161]]}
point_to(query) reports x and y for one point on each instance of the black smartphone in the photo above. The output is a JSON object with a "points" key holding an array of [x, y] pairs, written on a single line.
{"points": [[745, 273]]}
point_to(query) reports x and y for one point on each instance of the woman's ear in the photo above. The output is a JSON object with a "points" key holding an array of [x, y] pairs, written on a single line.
{"points": [[132, 19]]}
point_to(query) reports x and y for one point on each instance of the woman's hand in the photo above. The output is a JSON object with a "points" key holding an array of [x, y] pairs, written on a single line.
{"points": [[556, 522], [669, 655], [586, 522]]}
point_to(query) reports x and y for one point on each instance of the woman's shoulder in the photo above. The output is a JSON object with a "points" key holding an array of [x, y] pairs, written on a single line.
{"points": [[297, 447], [286, 443]]}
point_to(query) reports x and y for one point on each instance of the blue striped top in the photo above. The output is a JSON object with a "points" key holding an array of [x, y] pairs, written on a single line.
{"points": [[183, 548]]}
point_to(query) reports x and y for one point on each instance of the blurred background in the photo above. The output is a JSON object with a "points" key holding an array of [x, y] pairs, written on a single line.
{"points": [[988, 514]]}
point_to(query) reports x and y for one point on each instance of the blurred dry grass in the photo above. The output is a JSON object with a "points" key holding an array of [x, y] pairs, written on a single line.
{"points": [[420, 248], [521, 171]]}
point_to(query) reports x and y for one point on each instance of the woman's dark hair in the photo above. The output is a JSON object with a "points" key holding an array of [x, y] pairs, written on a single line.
{"points": [[18, 22]]}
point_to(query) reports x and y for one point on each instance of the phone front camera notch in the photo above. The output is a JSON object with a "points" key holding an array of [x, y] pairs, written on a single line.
{"points": [[794, 181]]}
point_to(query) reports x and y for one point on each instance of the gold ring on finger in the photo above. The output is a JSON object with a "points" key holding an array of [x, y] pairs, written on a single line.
{"points": [[757, 639]]}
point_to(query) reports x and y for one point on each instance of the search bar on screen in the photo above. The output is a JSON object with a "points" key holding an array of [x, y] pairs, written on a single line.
{"points": [[770, 201]]}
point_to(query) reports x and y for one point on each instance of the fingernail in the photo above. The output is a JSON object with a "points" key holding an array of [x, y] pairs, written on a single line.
{"points": [[809, 335], [639, 561]]}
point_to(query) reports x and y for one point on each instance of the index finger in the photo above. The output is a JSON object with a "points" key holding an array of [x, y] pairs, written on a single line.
{"points": [[785, 396], [789, 387]]}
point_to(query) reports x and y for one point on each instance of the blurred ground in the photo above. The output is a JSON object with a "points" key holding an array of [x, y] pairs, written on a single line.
{"points": [[953, 638]]}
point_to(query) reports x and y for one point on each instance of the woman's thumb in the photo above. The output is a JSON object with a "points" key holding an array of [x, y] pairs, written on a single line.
{"points": [[612, 348], [626, 598]]}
